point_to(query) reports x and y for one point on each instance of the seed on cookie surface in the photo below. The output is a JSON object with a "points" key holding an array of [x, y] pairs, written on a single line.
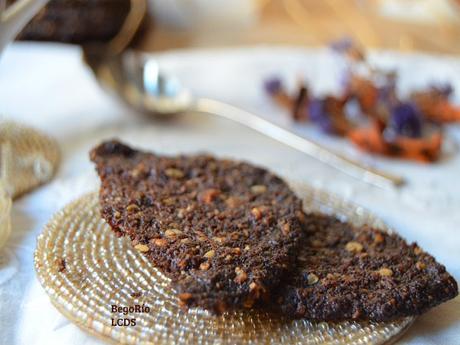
{"points": [[258, 189], [236, 251], [209, 195], [218, 239], [209, 254], [285, 229], [354, 247], [233, 202], [385, 272], [312, 279], [132, 208], [204, 266], [174, 173], [185, 241], [160, 242], [256, 212], [172, 233], [378, 238], [241, 276], [420, 265], [141, 247]]}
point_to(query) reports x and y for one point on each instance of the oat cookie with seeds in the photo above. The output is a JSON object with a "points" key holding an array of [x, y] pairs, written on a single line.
{"points": [[346, 272], [225, 232]]}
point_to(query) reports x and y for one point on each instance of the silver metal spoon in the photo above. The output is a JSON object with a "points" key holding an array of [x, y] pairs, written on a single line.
{"points": [[136, 78]]}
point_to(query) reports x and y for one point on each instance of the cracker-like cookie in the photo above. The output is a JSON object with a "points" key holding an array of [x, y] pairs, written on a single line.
{"points": [[225, 232], [346, 272]]}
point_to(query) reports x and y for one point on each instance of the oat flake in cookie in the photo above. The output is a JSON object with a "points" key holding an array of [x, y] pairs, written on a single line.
{"points": [[225, 232], [347, 272]]}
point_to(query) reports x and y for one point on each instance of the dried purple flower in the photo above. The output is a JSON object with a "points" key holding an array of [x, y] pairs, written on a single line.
{"points": [[319, 115], [345, 77], [386, 88], [300, 104], [387, 94], [273, 85], [444, 89], [406, 120]]}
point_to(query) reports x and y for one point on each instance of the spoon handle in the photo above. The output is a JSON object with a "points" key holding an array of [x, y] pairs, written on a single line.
{"points": [[335, 160]]}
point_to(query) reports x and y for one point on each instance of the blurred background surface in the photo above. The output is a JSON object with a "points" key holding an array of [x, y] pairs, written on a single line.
{"points": [[404, 25]]}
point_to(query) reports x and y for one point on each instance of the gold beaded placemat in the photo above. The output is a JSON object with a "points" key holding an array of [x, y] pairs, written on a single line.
{"points": [[28, 157], [5, 221], [91, 275]]}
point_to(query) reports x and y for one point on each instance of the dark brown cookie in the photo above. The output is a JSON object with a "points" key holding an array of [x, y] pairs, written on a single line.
{"points": [[347, 272], [77, 21], [225, 232]]}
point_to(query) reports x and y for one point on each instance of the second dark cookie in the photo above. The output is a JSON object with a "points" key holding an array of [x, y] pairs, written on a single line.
{"points": [[361, 273]]}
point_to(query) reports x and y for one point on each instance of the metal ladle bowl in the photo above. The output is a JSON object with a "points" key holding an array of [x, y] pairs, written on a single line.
{"points": [[136, 78]]}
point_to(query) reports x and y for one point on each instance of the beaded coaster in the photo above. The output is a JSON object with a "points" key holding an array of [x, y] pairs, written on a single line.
{"points": [[5, 221], [86, 271], [28, 158]]}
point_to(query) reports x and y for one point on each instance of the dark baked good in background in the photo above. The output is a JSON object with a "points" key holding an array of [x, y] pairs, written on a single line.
{"points": [[347, 272], [225, 232], [77, 21]]}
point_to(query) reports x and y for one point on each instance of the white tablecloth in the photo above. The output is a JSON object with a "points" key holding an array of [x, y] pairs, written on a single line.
{"points": [[48, 87]]}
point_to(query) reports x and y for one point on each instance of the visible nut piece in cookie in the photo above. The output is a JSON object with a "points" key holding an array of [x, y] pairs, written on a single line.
{"points": [[236, 251], [218, 239], [256, 212], [354, 247], [233, 202], [201, 236], [209, 254], [174, 173], [258, 189], [204, 266], [385, 272], [285, 229], [168, 201], [241, 276], [378, 238], [132, 208], [185, 241], [160, 242], [141, 247], [181, 213], [420, 265], [172, 233], [312, 279], [209, 195]]}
